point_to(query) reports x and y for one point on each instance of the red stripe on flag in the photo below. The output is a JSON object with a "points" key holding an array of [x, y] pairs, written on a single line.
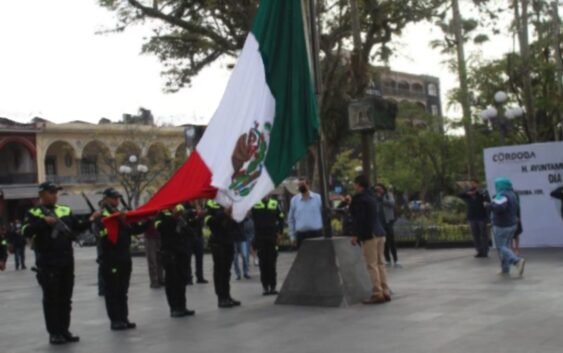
{"points": [[192, 181]]}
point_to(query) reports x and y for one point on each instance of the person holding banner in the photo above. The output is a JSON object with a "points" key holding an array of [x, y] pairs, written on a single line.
{"points": [[505, 209]]}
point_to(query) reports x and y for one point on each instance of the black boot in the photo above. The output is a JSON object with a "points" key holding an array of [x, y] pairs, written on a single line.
{"points": [[225, 303], [57, 339], [234, 302], [69, 337]]}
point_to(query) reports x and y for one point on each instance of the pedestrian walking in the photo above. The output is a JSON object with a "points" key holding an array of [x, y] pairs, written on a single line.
{"points": [[505, 209], [387, 202], [18, 242]]}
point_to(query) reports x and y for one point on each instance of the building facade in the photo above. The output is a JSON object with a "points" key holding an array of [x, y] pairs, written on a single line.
{"points": [[81, 157]]}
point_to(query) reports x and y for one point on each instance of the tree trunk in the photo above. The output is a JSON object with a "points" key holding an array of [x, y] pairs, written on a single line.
{"points": [[521, 21], [464, 90]]}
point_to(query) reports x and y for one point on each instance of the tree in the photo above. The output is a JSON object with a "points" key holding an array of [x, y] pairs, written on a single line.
{"points": [[420, 159], [192, 34]]}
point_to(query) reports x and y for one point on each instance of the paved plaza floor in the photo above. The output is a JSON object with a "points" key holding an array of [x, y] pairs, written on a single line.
{"points": [[445, 301]]}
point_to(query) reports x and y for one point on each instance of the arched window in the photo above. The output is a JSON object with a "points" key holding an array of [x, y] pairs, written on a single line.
{"points": [[432, 90]]}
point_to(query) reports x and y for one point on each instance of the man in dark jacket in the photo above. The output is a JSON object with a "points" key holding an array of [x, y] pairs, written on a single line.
{"points": [[558, 194], [505, 209], [224, 230], [477, 215], [116, 263], [369, 233], [17, 239], [268, 224], [53, 228], [174, 250]]}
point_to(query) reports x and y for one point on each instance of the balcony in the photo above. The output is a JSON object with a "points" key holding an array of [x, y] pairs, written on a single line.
{"points": [[18, 178], [82, 179], [398, 92]]}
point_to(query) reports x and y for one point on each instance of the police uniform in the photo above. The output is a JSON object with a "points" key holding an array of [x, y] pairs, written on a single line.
{"points": [[195, 244], [174, 250], [116, 266], [223, 229], [268, 223], [54, 262]]}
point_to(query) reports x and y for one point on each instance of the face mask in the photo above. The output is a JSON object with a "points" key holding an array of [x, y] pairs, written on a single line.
{"points": [[303, 189]]}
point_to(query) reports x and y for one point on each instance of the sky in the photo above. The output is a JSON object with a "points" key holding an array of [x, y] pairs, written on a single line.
{"points": [[54, 65]]}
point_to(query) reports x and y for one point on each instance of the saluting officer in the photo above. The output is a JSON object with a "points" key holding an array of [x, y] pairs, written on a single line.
{"points": [[268, 224], [53, 228], [116, 263], [173, 228], [223, 230]]}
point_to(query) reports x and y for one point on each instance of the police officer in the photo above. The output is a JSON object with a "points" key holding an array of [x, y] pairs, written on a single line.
{"points": [[268, 223], [194, 217], [115, 262], [52, 228], [223, 231], [174, 249]]}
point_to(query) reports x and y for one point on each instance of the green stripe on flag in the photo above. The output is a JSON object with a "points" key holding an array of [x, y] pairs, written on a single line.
{"points": [[278, 28]]}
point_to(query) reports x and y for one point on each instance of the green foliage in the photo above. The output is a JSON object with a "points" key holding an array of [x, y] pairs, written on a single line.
{"points": [[344, 167]]}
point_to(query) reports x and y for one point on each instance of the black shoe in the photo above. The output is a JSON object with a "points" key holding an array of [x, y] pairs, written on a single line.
{"points": [[130, 325], [266, 292], [202, 281], [225, 303], [69, 337], [234, 302], [182, 313], [273, 291], [247, 276], [57, 340], [24, 268], [119, 326]]}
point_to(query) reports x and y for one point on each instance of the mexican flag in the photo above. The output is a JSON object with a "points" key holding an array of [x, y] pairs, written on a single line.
{"points": [[265, 122]]}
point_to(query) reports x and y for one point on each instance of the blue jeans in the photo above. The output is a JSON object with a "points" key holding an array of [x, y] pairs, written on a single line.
{"points": [[503, 242], [241, 250]]}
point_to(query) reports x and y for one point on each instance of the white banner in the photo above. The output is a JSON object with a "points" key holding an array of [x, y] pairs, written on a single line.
{"points": [[535, 171]]}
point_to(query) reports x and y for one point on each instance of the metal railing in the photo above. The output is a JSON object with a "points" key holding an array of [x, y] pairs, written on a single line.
{"points": [[82, 179], [403, 93], [19, 178]]}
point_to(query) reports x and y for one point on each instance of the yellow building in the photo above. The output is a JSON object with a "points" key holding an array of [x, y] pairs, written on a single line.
{"points": [[82, 157]]}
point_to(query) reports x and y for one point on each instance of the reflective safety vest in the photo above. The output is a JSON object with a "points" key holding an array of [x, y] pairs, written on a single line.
{"points": [[271, 206], [59, 211], [212, 205]]}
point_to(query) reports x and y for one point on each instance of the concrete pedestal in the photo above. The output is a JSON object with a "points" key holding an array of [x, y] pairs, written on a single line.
{"points": [[328, 273]]}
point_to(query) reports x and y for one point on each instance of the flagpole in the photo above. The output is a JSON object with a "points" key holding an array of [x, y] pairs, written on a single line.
{"points": [[315, 63]]}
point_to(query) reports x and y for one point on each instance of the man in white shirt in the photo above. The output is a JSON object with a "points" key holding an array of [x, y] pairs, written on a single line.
{"points": [[305, 218]]}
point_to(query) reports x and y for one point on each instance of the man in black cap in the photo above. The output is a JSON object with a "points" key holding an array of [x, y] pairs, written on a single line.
{"points": [[53, 228], [115, 262], [173, 229]]}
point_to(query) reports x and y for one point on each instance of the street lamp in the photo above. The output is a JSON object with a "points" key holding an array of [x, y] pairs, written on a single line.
{"points": [[499, 116], [136, 173]]}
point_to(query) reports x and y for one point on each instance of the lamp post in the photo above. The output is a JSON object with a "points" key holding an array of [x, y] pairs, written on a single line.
{"points": [[135, 173], [500, 116]]}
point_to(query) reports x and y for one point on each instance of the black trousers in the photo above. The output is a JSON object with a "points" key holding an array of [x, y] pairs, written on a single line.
{"points": [[268, 255], [390, 247], [223, 255], [175, 275], [19, 256], [308, 235], [116, 285], [57, 284], [196, 248]]}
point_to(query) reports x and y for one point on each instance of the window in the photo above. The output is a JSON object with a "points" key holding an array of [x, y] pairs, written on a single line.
{"points": [[404, 86], [50, 165], [434, 109], [417, 87], [432, 90], [89, 166]]}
